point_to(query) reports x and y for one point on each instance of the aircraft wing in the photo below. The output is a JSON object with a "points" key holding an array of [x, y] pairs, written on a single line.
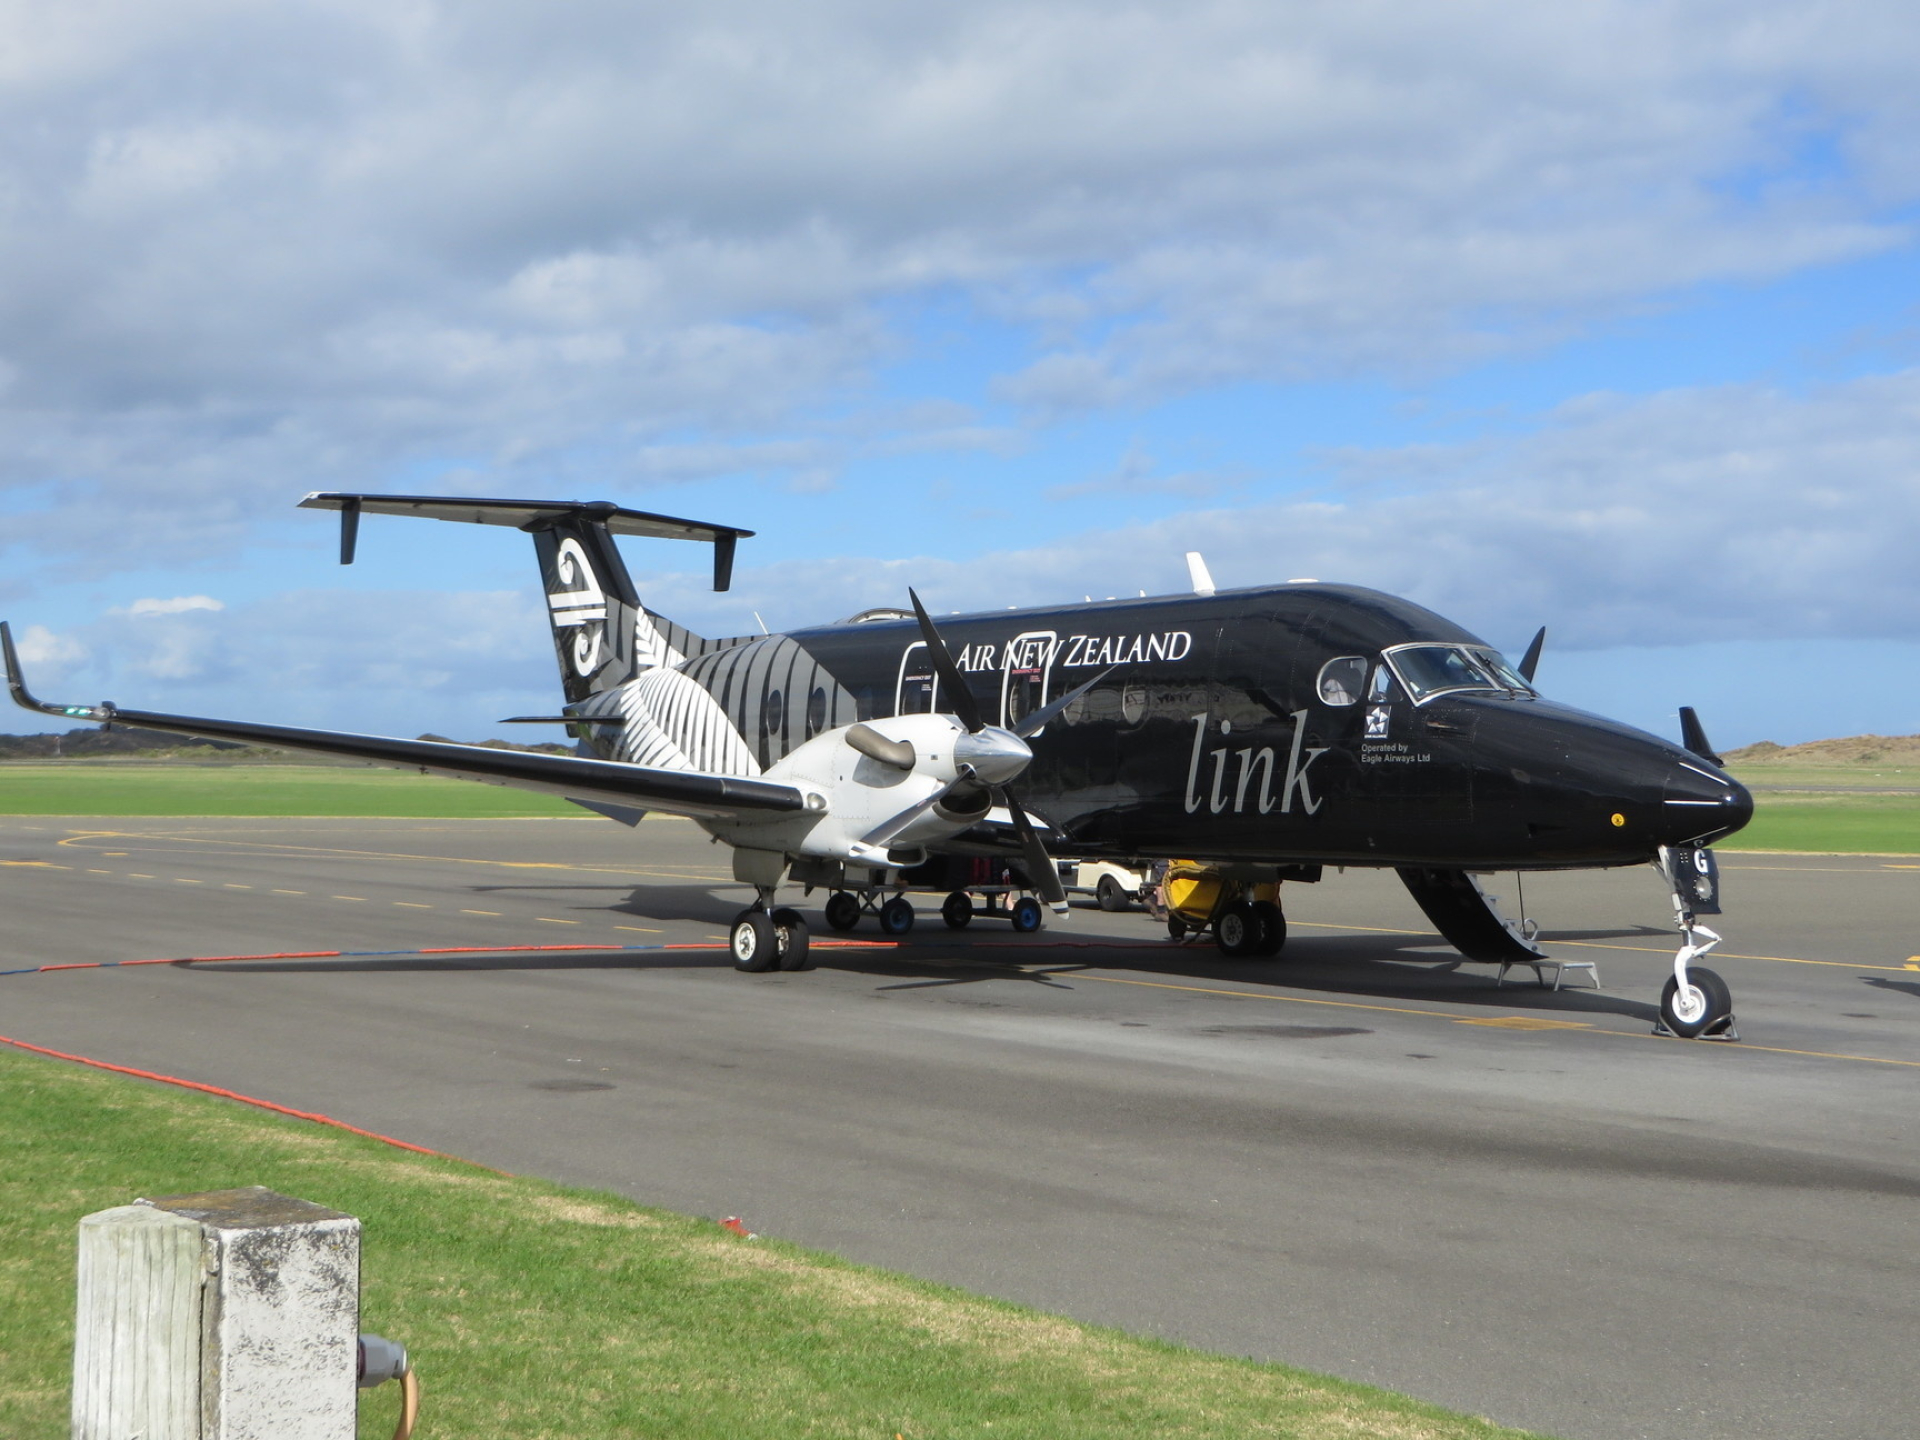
{"points": [[609, 782]]}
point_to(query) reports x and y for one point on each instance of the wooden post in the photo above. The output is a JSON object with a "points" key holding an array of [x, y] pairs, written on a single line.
{"points": [[229, 1315]]}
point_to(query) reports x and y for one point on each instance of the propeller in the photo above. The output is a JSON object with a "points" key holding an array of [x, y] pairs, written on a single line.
{"points": [[1530, 661], [1693, 735], [1041, 871]]}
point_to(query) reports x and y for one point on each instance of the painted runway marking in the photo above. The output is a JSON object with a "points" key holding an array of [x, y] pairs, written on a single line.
{"points": [[412, 905], [250, 846], [34, 865], [182, 880], [231, 886], [356, 899], [289, 892], [549, 920], [494, 913], [641, 929], [1524, 1022]]}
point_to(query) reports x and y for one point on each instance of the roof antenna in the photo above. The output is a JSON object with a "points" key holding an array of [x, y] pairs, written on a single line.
{"points": [[1198, 573], [762, 623]]}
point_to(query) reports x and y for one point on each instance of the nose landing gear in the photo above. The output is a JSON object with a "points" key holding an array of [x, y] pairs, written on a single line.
{"points": [[1695, 1003]]}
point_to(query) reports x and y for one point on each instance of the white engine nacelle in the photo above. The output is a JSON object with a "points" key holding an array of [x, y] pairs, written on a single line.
{"points": [[907, 781]]}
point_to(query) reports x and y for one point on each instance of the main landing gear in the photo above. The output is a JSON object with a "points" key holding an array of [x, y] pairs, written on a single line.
{"points": [[767, 938], [1243, 913], [1695, 1004]]}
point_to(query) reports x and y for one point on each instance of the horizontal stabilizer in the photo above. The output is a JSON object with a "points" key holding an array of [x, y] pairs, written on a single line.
{"points": [[529, 515]]}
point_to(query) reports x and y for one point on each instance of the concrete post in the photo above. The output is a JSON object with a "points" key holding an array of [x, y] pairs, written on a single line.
{"points": [[230, 1315]]}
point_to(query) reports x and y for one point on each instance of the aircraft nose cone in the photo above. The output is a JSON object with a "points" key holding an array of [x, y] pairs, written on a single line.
{"points": [[1703, 804], [996, 755]]}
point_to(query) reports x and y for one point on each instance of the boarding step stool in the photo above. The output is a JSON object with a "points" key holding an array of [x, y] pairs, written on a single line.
{"points": [[1560, 968]]}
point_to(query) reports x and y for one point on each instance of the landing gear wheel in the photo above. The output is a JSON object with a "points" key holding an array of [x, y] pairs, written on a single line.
{"points": [[755, 943], [1026, 914], [790, 930], [1273, 927], [1236, 930], [1705, 1003], [957, 910], [1111, 895], [843, 911], [1176, 928], [896, 916]]}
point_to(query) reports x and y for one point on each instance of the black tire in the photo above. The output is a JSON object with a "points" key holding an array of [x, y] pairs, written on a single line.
{"points": [[896, 916], [957, 910], [1111, 895], [1176, 927], [1236, 930], [843, 911], [790, 928], [1684, 1022], [1273, 927], [1026, 914], [755, 943]]}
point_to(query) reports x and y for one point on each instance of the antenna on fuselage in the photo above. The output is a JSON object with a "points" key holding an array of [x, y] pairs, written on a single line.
{"points": [[1197, 571]]}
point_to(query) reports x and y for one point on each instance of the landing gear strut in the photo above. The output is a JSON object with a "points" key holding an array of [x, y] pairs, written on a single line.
{"points": [[763, 938], [1695, 1003]]}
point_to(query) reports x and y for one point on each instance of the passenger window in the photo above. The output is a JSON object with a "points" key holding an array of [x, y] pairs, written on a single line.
{"points": [[1341, 680]]}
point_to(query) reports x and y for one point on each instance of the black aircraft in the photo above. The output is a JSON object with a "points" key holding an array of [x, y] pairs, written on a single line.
{"points": [[1259, 734]]}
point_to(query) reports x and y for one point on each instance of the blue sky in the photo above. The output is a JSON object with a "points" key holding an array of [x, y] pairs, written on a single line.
{"points": [[1602, 317]]}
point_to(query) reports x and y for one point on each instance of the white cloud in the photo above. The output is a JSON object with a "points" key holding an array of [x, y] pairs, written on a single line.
{"points": [[178, 605], [1730, 513], [254, 248]]}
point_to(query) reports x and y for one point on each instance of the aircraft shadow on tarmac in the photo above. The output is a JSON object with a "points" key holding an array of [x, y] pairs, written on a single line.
{"points": [[1363, 968], [1905, 987]]}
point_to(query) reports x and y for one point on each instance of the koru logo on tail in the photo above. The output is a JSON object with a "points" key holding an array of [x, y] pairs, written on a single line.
{"points": [[579, 602]]}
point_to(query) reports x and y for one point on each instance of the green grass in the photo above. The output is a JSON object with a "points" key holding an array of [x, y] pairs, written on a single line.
{"points": [[1837, 823], [535, 1310], [119, 788], [1843, 819]]}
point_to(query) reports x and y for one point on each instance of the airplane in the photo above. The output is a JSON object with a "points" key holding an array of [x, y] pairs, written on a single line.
{"points": [[1260, 735]]}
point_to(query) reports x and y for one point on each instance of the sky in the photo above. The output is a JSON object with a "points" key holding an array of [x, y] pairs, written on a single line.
{"points": [[1602, 316]]}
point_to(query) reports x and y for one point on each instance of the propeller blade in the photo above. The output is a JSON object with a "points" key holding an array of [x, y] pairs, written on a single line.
{"points": [[1041, 872], [1693, 735], [957, 696], [1530, 661], [1053, 709]]}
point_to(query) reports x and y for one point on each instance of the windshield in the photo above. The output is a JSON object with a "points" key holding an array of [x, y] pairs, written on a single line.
{"points": [[1428, 670]]}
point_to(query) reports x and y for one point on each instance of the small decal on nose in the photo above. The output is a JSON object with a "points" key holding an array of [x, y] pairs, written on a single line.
{"points": [[1619, 819]]}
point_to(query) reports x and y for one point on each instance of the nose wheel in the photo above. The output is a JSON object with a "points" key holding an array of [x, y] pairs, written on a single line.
{"points": [[1695, 1003]]}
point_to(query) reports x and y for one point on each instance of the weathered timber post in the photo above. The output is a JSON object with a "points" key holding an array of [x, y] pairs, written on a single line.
{"points": [[230, 1315]]}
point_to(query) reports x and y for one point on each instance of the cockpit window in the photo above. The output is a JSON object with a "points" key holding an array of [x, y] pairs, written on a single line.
{"points": [[1429, 670], [1341, 680]]}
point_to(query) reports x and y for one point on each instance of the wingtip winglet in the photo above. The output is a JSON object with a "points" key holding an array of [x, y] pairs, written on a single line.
{"points": [[24, 698]]}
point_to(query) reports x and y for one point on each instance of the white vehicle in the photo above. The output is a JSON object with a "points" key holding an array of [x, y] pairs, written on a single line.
{"points": [[1114, 886]]}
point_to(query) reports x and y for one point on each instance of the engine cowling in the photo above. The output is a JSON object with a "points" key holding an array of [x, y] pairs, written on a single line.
{"points": [[885, 787]]}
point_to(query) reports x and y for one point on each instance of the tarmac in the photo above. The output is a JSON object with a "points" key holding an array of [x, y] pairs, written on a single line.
{"points": [[1362, 1157]]}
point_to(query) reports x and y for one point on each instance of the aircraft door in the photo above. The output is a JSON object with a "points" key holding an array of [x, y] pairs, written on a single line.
{"points": [[1026, 674], [917, 688]]}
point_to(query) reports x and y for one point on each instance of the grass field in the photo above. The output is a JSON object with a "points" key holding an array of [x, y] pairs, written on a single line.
{"points": [[112, 787], [534, 1310], [1844, 815]]}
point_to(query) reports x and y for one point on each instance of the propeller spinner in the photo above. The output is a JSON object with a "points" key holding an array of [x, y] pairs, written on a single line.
{"points": [[997, 754]]}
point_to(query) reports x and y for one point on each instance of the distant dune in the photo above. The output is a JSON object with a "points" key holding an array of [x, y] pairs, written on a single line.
{"points": [[1854, 750]]}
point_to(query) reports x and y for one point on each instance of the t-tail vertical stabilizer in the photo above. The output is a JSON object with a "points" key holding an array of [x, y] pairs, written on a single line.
{"points": [[603, 636]]}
